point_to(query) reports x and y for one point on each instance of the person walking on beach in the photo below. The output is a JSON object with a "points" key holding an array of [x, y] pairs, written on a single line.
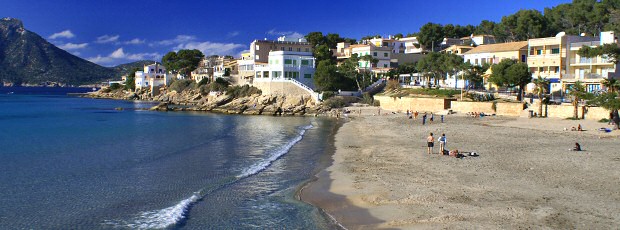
{"points": [[441, 118], [430, 140], [432, 118], [415, 115], [442, 143], [424, 119]]}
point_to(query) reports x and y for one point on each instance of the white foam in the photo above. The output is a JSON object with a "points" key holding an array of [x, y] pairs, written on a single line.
{"points": [[163, 218], [263, 164], [159, 219]]}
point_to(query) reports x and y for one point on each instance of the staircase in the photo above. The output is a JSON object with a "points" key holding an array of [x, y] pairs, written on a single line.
{"points": [[315, 95]]}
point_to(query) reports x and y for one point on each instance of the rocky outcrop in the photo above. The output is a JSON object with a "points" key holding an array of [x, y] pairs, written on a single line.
{"points": [[193, 100]]}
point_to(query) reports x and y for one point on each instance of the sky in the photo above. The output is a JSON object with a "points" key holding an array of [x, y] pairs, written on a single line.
{"points": [[112, 32]]}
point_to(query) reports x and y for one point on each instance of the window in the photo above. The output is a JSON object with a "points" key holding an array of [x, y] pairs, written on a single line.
{"points": [[298, 49], [257, 57], [282, 48], [556, 69], [305, 62], [385, 54], [538, 52], [307, 50], [257, 47], [374, 54], [290, 48], [307, 75], [555, 51], [277, 61], [295, 62], [287, 61], [523, 58], [295, 74], [385, 66]]}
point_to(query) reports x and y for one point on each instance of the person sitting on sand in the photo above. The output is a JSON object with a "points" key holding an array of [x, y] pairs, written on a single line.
{"points": [[579, 128], [573, 128], [577, 147]]}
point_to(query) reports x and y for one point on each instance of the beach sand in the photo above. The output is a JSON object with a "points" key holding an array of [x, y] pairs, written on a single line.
{"points": [[525, 176]]}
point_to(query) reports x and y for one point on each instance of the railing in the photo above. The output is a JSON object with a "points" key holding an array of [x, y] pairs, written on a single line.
{"points": [[580, 44], [589, 61], [584, 76], [302, 85], [378, 82]]}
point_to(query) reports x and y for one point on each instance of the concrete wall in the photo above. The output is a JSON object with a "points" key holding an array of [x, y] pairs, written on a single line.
{"points": [[413, 103], [503, 109], [567, 110], [280, 88]]}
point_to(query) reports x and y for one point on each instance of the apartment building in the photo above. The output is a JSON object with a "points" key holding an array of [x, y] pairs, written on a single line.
{"points": [[491, 54], [287, 65], [548, 57], [152, 75], [590, 71]]}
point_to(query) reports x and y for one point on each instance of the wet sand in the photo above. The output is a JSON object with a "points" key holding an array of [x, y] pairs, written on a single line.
{"points": [[525, 177]]}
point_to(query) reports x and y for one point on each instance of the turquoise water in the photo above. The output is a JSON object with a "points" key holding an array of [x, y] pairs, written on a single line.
{"points": [[71, 162]]}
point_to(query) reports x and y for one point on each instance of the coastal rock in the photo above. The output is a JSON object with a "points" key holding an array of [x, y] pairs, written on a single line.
{"points": [[161, 107]]}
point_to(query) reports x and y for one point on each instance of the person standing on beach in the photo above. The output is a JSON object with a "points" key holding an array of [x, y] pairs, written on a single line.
{"points": [[424, 119], [442, 143], [430, 140], [415, 115], [432, 118], [441, 118]]}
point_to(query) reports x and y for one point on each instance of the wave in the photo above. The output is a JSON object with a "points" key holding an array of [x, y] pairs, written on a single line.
{"points": [[163, 218]]}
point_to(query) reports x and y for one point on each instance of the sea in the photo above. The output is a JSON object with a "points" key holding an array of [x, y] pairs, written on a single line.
{"points": [[78, 163]]}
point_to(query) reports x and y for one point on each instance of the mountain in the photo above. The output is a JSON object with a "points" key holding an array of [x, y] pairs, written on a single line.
{"points": [[27, 58], [124, 69]]}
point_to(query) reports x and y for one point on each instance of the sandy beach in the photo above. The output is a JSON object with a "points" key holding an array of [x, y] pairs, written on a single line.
{"points": [[525, 176]]}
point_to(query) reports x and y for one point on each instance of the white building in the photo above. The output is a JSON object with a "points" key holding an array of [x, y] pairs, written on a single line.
{"points": [[287, 66], [412, 45], [153, 75]]}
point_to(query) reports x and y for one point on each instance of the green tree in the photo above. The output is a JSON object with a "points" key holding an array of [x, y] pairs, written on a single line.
{"points": [[509, 73], [485, 27], [611, 102], [327, 77], [350, 69], [577, 92], [130, 82], [430, 35], [315, 38], [612, 85], [332, 40], [183, 61], [431, 66], [322, 52], [398, 35], [473, 73], [541, 88]]}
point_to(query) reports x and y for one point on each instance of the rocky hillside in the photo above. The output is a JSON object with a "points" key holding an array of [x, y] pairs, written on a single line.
{"points": [[27, 58], [124, 69]]}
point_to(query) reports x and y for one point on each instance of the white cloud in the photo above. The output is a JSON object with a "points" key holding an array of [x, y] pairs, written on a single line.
{"points": [[134, 41], [119, 56], [62, 34], [76, 53], [212, 48], [233, 34], [291, 34], [73, 46], [177, 40], [107, 39]]}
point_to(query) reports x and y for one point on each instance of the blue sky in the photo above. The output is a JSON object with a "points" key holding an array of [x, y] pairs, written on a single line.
{"points": [[112, 32]]}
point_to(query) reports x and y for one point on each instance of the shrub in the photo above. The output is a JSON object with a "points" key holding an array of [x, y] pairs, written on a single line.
{"points": [[392, 85], [334, 102], [481, 97], [115, 86], [219, 85], [204, 81], [242, 91], [328, 95], [604, 120], [180, 85]]}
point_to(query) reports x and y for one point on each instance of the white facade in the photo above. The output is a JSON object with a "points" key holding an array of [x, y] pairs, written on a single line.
{"points": [[287, 65], [153, 75], [412, 45], [382, 54]]}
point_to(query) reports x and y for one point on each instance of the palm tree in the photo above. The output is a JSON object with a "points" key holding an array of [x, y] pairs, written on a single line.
{"points": [[611, 84], [577, 92], [541, 87]]}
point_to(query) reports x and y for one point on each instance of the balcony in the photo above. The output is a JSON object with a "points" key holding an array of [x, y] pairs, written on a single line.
{"points": [[585, 76], [590, 61], [578, 45]]}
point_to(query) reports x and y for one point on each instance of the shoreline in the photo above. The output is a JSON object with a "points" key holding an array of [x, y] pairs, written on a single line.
{"points": [[524, 176]]}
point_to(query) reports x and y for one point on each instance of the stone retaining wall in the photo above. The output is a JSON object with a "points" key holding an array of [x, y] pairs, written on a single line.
{"points": [[281, 88], [502, 109], [567, 110], [413, 103]]}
